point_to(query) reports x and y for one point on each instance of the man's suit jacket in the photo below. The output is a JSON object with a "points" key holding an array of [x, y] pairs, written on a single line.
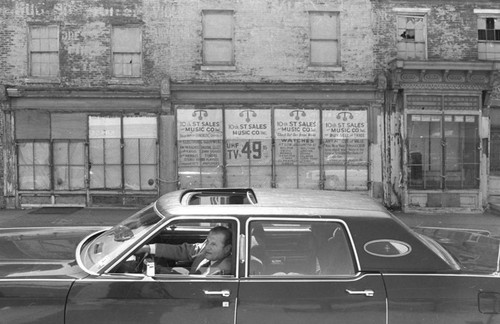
{"points": [[194, 253]]}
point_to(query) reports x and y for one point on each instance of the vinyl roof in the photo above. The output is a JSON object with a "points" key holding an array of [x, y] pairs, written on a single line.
{"points": [[258, 201]]}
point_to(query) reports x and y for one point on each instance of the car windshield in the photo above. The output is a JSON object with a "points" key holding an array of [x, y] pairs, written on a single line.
{"points": [[107, 246]]}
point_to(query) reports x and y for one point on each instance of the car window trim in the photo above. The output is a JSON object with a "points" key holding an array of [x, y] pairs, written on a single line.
{"points": [[177, 218], [301, 219]]}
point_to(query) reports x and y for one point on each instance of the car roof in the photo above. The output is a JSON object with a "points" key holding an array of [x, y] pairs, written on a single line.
{"points": [[268, 202]]}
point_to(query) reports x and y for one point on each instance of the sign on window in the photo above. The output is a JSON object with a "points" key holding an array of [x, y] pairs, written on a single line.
{"points": [[248, 147], [200, 138]]}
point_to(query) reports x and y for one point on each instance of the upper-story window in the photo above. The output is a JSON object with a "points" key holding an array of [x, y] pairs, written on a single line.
{"points": [[127, 51], [411, 37], [44, 51], [324, 38], [488, 35], [218, 37]]}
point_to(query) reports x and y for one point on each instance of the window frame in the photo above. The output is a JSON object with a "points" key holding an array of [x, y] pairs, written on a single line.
{"points": [[442, 142], [32, 30], [115, 52], [484, 44], [413, 12], [313, 39], [341, 223], [207, 63], [121, 139]]}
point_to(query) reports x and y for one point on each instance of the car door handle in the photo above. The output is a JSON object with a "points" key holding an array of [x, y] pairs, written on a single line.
{"points": [[223, 293], [366, 292]]}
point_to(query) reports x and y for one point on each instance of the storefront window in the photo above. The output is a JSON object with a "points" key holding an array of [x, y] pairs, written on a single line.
{"points": [[443, 151], [345, 136], [297, 162], [495, 152], [34, 165], [272, 147], [200, 142], [51, 150], [131, 166], [248, 147]]}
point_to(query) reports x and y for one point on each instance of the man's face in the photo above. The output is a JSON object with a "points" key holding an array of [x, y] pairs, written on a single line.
{"points": [[215, 249]]}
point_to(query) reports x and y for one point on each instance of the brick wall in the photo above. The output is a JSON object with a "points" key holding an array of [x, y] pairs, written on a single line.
{"points": [[271, 39], [451, 29]]}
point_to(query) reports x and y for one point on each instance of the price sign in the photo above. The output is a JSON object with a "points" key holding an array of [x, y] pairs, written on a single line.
{"points": [[248, 137]]}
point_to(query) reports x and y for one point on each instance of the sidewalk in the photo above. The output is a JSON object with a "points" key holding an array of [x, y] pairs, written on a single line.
{"points": [[72, 216], [63, 216]]}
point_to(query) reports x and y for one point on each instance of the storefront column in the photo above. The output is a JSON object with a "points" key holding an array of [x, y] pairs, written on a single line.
{"points": [[167, 173]]}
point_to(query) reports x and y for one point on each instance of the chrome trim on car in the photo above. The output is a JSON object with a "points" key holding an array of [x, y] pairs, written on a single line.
{"points": [[79, 250], [311, 278], [36, 279], [471, 275], [162, 225], [301, 219]]}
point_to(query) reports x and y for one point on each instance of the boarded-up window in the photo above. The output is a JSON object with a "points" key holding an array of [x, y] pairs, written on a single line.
{"points": [[324, 38], [44, 51], [127, 49], [218, 37], [32, 124], [411, 35]]}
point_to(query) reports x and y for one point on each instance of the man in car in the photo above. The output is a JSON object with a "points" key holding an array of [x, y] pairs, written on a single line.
{"points": [[212, 257]]}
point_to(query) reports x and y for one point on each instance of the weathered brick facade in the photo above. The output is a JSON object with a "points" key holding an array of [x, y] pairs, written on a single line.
{"points": [[272, 69]]}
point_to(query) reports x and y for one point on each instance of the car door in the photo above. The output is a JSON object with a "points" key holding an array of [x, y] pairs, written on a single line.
{"points": [[164, 299], [128, 295], [304, 271]]}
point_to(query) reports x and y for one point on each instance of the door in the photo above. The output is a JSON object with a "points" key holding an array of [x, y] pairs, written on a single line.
{"points": [[176, 291], [304, 271], [118, 299]]}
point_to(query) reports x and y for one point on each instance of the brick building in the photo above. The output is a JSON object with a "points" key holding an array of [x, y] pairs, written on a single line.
{"points": [[116, 102], [442, 118]]}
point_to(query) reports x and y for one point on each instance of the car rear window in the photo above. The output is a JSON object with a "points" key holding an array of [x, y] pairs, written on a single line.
{"points": [[300, 248]]}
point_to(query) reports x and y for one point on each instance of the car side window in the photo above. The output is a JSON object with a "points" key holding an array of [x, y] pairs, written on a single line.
{"points": [[187, 247], [309, 248]]}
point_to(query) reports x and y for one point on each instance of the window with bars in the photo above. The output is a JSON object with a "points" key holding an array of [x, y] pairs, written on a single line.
{"points": [[44, 51], [411, 37], [218, 43], [488, 29], [324, 38], [127, 51]]}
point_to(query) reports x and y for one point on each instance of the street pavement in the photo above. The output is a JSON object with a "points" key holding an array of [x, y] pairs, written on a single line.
{"points": [[73, 216]]}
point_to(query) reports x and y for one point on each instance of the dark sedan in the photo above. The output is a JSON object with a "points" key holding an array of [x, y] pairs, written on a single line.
{"points": [[296, 256]]}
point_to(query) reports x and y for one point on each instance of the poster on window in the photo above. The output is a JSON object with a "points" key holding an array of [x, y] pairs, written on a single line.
{"points": [[345, 135], [297, 133], [248, 137]]}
